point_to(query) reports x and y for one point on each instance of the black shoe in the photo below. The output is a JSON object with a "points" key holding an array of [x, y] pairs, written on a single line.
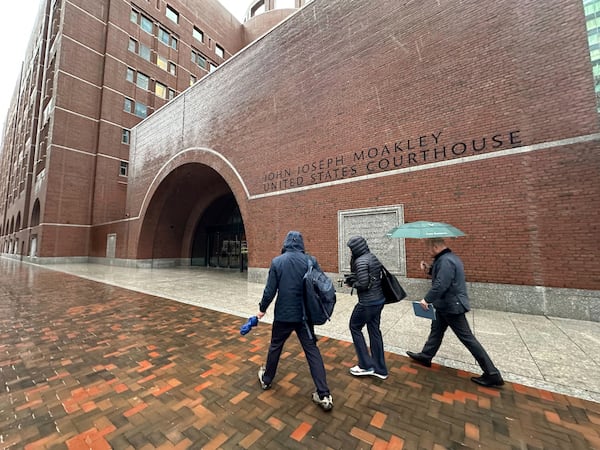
{"points": [[418, 357], [487, 380]]}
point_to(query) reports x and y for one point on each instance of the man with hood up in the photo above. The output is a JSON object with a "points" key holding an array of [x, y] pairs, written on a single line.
{"points": [[367, 281], [286, 280]]}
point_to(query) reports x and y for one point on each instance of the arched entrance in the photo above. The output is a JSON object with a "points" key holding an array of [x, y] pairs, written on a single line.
{"points": [[193, 218], [220, 238]]}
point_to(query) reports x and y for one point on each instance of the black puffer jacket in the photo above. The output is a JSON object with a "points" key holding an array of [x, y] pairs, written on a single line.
{"points": [[367, 269], [286, 280]]}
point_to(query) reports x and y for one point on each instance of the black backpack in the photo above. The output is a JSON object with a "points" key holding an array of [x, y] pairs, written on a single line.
{"points": [[319, 295]]}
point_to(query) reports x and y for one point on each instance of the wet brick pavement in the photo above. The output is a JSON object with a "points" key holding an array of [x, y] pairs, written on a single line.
{"points": [[84, 365]]}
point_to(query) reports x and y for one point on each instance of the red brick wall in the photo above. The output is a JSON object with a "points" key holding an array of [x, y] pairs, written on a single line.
{"points": [[343, 78]]}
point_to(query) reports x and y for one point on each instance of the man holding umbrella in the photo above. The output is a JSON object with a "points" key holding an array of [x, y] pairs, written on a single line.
{"points": [[448, 294]]}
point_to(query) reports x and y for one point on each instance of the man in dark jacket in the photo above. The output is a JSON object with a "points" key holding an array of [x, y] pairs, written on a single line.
{"points": [[286, 280], [448, 294], [367, 311]]}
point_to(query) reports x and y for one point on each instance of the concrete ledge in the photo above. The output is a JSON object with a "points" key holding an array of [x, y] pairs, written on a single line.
{"points": [[578, 304]]}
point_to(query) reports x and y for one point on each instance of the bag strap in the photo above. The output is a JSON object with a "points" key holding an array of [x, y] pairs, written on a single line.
{"points": [[310, 263], [304, 315]]}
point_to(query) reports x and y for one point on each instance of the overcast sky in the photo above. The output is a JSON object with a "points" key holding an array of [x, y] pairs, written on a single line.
{"points": [[16, 23]]}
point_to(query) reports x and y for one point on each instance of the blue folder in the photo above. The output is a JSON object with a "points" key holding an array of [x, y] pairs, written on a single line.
{"points": [[419, 311]]}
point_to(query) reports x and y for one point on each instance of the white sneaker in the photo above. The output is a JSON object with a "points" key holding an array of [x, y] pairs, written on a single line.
{"points": [[326, 402], [358, 372], [380, 375], [261, 373]]}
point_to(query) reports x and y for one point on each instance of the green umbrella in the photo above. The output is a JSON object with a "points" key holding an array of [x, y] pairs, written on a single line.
{"points": [[424, 230]]}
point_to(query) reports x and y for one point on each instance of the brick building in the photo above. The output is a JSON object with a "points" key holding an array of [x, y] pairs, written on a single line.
{"points": [[93, 70], [352, 117]]}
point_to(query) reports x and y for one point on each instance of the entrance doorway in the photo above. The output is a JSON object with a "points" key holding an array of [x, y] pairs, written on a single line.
{"points": [[220, 238]]}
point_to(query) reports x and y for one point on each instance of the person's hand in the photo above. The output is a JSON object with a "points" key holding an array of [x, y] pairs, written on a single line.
{"points": [[260, 315], [424, 304], [424, 266]]}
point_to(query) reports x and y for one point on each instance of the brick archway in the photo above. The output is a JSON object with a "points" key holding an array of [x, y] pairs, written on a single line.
{"points": [[175, 199]]}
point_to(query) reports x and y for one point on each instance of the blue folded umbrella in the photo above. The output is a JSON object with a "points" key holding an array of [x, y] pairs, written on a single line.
{"points": [[252, 322]]}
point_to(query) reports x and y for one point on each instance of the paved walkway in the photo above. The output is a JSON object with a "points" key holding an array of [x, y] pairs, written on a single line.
{"points": [[94, 365]]}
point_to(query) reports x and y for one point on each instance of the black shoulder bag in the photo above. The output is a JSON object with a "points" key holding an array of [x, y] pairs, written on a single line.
{"points": [[392, 290]]}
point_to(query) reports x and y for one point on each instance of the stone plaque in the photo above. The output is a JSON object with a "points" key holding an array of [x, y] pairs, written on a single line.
{"points": [[373, 224]]}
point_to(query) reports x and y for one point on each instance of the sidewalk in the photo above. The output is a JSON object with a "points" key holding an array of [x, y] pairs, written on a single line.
{"points": [[558, 355]]}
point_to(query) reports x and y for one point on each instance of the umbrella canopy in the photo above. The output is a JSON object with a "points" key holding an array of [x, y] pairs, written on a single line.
{"points": [[424, 230]]}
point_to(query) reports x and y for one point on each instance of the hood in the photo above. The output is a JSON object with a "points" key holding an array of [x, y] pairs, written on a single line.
{"points": [[358, 246], [293, 242]]}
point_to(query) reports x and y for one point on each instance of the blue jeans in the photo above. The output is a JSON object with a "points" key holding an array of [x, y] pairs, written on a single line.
{"points": [[371, 317], [281, 331]]}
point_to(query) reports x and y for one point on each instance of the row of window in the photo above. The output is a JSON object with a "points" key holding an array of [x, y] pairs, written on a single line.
{"points": [[199, 59], [147, 25], [143, 81], [146, 53], [137, 108], [169, 66], [164, 35]]}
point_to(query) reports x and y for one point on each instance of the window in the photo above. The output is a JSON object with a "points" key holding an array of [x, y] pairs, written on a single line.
{"points": [[160, 90], [172, 68], [212, 67], [219, 51], [164, 36], [161, 62], [130, 75], [146, 25], [145, 52], [125, 136], [134, 17], [198, 35], [193, 80], [199, 59], [128, 105], [171, 94], [123, 168], [132, 45], [141, 110], [143, 81], [172, 14]]}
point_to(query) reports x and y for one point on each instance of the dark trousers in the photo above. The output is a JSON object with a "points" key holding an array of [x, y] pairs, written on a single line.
{"points": [[458, 323], [371, 317], [280, 333]]}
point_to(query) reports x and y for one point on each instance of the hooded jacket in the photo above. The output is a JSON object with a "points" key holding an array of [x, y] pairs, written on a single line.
{"points": [[286, 280], [367, 269]]}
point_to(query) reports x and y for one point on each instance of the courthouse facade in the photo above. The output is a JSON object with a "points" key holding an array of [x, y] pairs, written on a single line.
{"points": [[351, 118]]}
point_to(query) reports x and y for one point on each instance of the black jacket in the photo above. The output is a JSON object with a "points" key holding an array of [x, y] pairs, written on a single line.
{"points": [[286, 280], [448, 291], [367, 269]]}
